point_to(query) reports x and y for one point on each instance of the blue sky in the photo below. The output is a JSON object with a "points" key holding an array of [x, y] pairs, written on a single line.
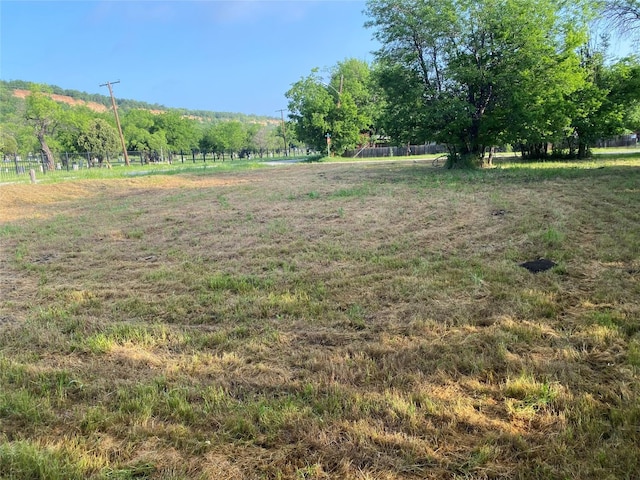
{"points": [[232, 56], [218, 55]]}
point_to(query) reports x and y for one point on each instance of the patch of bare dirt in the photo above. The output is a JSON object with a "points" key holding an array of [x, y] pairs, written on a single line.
{"points": [[96, 107]]}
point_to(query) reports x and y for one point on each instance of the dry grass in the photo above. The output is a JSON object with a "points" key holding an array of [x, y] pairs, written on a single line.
{"points": [[323, 321]]}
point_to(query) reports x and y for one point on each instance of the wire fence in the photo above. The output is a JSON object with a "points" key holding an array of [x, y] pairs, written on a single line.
{"points": [[13, 166], [16, 165]]}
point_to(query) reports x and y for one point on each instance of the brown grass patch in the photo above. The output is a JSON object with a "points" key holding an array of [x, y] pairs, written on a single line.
{"points": [[325, 321], [22, 201]]}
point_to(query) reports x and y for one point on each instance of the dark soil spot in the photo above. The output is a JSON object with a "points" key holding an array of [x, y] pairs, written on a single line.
{"points": [[539, 265]]}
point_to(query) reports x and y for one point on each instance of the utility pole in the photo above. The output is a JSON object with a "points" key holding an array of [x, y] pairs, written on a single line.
{"points": [[115, 112], [284, 134]]}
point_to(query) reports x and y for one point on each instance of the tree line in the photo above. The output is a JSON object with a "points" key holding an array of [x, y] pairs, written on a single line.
{"points": [[476, 74], [40, 124]]}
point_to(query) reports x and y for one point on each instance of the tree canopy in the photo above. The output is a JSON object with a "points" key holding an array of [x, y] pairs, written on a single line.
{"points": [[472, 74], [100, 138], [43, 114], [341, 108]]}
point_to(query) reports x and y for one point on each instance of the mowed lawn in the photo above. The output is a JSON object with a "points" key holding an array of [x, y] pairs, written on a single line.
{"points": [[347, 321]]}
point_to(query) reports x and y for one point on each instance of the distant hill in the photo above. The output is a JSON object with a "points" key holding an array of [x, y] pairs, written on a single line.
{"points": [[102, 103]]}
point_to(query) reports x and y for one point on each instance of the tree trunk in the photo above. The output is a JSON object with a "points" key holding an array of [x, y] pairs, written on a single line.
{"points": [[583, 150], [492, 152], [46, 151]]}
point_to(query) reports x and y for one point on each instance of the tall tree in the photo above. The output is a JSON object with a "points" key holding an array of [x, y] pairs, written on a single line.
{"points": [[211, 140], [142, 134], [310, 105], [234, 136], [73, 121], [452, 70], [181, 132], [251, 132], [623, 79], [225, 137], [101, 139], [43, 114], [342, 107], [606, 104]]}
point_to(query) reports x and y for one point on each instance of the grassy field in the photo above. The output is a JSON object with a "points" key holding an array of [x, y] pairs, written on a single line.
{"points": [[316, 321]]}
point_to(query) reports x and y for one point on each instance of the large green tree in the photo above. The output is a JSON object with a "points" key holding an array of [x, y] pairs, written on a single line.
{"points": [[472, 74], [99, 138], [73, 122], [181, 132], [225, 137], [142, 134], [211, 140], [607, 104], [233, 135], [630, 89], [43, 114], [342, 107], [310, 106]]}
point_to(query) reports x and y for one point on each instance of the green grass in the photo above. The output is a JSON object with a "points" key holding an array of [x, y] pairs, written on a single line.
{"points": [[332, 320], [20, 460], [137, 170]]}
